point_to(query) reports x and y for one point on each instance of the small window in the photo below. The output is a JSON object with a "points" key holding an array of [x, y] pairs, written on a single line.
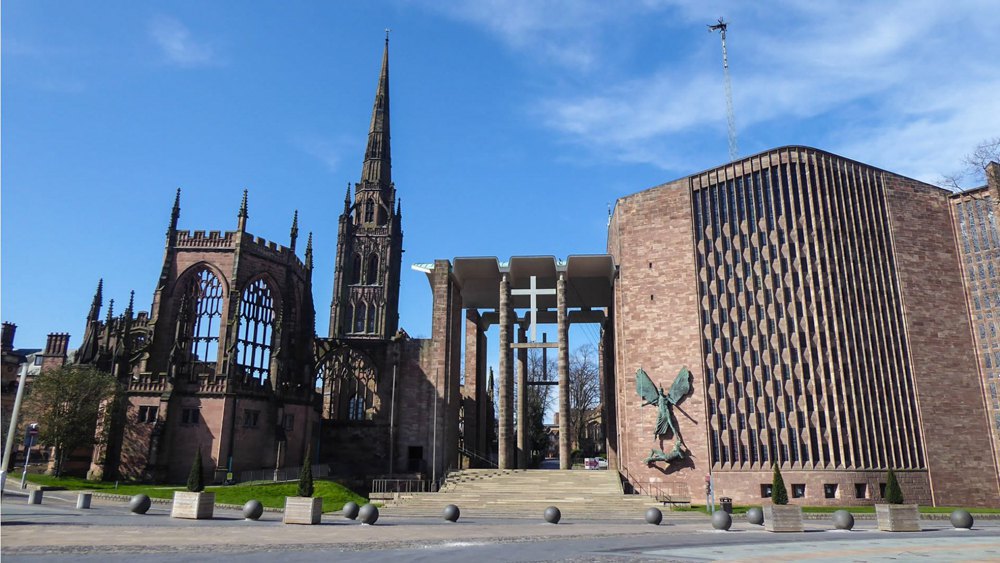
{"points": [[830, 490], [860, 490], [289, 422], [189, 416], [38, 360], [765, 490], [147, 414], [250, 418], [881, 490], [356, 408], [798, 491]]}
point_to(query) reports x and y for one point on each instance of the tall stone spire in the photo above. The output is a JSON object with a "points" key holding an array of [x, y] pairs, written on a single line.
{"points": [[377, 168], [175, 214]]}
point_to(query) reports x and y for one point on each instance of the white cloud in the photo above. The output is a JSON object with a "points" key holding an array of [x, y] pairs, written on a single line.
{"points": [[329, 152], [178, 46], [906, 85]]}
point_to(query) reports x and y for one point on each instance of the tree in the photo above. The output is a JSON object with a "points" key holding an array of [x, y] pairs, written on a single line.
{"points": [[196, 482], [584, 393], [538, 400], [306, 475], [893, 494], [779, 494], [974, 165], [65, 402]]}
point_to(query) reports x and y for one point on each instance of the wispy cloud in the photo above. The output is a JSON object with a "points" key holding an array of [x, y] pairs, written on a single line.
{"points": [[179, 47], [330, 152], [909, 85]]}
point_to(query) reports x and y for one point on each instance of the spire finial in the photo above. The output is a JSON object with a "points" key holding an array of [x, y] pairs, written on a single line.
{"points": [[131, 303], [309, 252], [387, 30], [377, 168], [111, 311], [242, 215], [295, 229], [95, 305], [175, 214], [347, 198]]}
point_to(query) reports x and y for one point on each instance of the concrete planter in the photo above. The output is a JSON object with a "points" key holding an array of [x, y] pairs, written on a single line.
{"points": [[196, 506], [303, 510], [898, 517], [782, 518]]}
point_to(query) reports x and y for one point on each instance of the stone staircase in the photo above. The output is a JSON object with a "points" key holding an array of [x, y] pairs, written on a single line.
{"points": [[525, 493]]}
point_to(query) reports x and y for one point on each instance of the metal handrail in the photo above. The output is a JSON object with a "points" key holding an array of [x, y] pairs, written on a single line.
{"points": [[478, 457], [382, 486], [651, 489]]}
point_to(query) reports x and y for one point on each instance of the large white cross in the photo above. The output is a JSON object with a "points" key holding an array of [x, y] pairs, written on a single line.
{"points": [[533, 292]]}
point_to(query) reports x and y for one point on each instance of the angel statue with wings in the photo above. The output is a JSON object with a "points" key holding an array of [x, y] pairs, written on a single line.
{"points": [[664, 418]]}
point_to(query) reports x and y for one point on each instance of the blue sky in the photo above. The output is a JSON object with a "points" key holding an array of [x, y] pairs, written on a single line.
{"points": [[515, 123]]}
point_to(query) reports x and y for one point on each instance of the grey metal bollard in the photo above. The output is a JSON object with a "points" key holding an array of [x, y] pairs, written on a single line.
{"points": [[451, 513], [83, 500], [843, 520], [139, 504], [654, 516], [552, 515], [35, 497], [755, 516], [351, 510], [721, 520], [961, 519], [368, 514], [253, 510]]}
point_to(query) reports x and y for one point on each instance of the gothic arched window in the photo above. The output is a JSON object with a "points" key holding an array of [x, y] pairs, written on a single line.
{"points": [[202, 317], [256, 331], [369, 211], [371, 276], [356, 270], [347, 379], [372, 318], [349, 317], [359, 317], [356, 407]]}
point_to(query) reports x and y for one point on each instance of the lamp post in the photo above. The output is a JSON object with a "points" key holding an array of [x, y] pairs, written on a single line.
{"points": [[12, 430]]}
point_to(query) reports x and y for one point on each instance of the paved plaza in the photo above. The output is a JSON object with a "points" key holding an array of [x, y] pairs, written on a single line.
{"points": [[57, 531]]}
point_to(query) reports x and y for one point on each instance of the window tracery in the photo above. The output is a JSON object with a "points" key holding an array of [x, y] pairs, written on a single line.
{"points": [[256, 331]]}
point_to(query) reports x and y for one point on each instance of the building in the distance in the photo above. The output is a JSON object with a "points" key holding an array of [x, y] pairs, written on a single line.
{"points": [[820, 306]]}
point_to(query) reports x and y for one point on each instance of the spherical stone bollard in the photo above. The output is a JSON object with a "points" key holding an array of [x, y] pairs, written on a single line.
{"points": [[755, 516], [962, 519], [843, 520], [368, 514], [351, 510], [721, 520], [253, 510], [139, 504], [654, 516], [552, 515], [451, 513]]}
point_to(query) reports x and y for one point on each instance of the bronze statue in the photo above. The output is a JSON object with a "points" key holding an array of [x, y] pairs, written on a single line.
{"points": [[664, 418]]}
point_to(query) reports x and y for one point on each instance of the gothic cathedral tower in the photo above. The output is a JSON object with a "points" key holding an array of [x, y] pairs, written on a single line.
{"points": [[370, 238]]}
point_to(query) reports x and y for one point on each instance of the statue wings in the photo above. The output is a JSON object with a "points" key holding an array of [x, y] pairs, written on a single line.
{"points": [[681, 386], [647, 389]]}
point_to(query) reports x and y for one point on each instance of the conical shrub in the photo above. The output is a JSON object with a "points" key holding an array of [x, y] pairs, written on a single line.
{"points": [[306, 475], [779, 494], [196, 481], [893, 494]]}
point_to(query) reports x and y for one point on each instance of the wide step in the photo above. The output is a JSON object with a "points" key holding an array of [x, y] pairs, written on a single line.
{"points": [[494, 493]]}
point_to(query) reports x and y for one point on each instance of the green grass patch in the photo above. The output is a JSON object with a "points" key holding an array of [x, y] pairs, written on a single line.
{"points": [[271, 495]]}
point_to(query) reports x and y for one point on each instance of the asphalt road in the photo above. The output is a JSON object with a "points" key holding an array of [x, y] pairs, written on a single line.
{"points": [[56, 531]]}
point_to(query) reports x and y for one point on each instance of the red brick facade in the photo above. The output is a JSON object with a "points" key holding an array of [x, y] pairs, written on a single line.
{"points": [[795, 285]]}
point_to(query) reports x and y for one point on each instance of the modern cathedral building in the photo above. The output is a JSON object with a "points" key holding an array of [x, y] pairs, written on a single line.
{"points": [[838, 321]]}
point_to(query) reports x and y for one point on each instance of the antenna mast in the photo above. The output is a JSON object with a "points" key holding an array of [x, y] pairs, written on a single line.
{"points": [[734, 150]]}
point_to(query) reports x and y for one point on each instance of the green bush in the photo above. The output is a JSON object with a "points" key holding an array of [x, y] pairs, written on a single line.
{"points": [[306, 475], [196, 482], [779, 495], [893, 494]]}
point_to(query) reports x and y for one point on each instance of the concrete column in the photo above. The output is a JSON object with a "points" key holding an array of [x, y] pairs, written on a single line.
{"points": [[565, 461], [472, 388], [522, 400], [506, 406]]}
